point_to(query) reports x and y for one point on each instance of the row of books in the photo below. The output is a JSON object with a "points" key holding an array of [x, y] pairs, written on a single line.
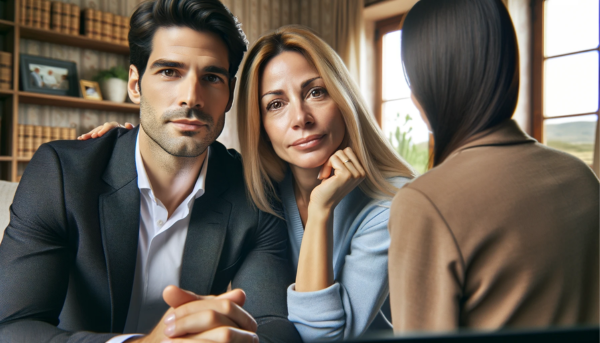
{"points": [[6, 70], [105, 26], [68, 18], [43, 14], [30, 137]]}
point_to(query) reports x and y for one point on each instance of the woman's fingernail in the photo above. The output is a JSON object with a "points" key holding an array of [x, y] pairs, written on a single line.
{"points": [[319, 176], [170, 319], [170, 330], [255, 339]]}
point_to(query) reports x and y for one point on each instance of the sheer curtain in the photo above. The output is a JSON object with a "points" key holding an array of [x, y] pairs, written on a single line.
{"points": [[348, 37]]}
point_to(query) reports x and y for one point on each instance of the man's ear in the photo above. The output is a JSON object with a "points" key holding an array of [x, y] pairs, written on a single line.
{"points": [[231, 93], [133, 87]]}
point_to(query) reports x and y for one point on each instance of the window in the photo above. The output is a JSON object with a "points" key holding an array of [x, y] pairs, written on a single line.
{"points": [[566, 75], [397, 115]]}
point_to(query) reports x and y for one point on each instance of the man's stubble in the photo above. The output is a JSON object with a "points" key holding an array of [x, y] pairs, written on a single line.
{"points": [[155, 128]]}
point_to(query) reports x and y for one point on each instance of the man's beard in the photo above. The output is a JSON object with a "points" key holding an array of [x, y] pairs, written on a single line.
{"points": [[155, 128]]}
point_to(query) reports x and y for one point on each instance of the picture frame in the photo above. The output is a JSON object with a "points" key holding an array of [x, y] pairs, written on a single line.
{"points": [[47, 75], [90, 90]]}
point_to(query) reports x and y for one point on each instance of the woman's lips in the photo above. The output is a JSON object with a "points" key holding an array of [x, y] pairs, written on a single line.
{"points": [[307, 142]]}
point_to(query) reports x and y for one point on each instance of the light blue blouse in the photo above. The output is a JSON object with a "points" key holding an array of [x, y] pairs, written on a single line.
{"points": [[360, 246]]}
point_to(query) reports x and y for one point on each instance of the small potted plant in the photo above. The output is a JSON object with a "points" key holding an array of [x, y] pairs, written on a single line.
{"points": [[113, 83]]}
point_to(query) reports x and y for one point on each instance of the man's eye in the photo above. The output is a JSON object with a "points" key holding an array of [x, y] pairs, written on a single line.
{"points": [[168, 72], [212, 78]]}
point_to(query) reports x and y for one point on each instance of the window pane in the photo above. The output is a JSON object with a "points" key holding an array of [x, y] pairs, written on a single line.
{"points": [[408, 133], [570, 26], [394, 83], [571, 84], [574, 135]]}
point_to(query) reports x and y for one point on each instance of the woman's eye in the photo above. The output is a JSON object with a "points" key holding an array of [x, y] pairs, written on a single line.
{"points": [[317, 92], [275, 105]]}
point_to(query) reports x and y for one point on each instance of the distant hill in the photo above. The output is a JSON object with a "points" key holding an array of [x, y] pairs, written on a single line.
{"points": [[574, 132]]}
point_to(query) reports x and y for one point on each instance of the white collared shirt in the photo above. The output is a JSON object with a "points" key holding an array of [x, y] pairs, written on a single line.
{"points": [[160, 251]]}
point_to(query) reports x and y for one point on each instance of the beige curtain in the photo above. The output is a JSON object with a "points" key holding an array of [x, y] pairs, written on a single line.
{"points": [[348, 37]]}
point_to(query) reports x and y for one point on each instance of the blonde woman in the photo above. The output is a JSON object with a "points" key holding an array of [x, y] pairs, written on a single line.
{"points": [[310, 147]]}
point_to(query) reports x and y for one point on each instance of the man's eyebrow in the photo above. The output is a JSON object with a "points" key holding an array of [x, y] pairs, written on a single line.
{"points": [[279, 92], [166, 63], [217, 70]]}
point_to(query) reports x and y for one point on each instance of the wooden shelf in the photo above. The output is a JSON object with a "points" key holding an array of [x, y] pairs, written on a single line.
{"points": [[72, 40], [5, 158], [6, 25], [70, 101], [23, 159], [5, 93]]}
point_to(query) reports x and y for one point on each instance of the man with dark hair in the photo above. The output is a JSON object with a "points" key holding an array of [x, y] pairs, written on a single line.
{"points": [[104, 232]]}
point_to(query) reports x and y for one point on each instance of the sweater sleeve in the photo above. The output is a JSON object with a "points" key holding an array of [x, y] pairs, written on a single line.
{"points": [[426, 267], [346, 308]]}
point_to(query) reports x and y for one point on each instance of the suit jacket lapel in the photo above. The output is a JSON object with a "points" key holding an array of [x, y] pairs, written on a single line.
{"points": [[207, 228], [120, 222]]}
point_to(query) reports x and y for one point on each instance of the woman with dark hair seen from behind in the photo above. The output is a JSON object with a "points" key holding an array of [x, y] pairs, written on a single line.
{"points": [[503, 231]]}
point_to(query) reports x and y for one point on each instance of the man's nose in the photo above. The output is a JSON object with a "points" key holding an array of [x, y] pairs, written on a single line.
{"points": [[190, 92]]}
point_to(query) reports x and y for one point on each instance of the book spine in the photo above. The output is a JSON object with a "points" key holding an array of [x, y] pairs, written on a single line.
{"points": [[75, 13], [107, 26], [6, 74], [21, 141], [46, 5], [37, 138], [110, 30], [97, 24], [65, 18], [55, 133], [23, 12], [56, 21], [116, 29], [88, 22], [37, 13], [28, 151], [46, 134], [28, 12], [125, 30], [6, 70], [65, 133]]}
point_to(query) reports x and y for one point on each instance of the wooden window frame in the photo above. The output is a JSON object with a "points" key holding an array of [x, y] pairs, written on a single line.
{"points": [[381, 28], [538, 59]]}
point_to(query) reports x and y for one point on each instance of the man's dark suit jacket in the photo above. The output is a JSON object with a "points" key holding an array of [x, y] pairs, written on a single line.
{"points": [[68, 256]]}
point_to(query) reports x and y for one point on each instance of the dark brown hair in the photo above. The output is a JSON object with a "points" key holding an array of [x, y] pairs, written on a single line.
{"points": [[462, 63], [200, 15]]}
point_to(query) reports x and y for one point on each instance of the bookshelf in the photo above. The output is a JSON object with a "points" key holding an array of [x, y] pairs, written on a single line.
{"points": [[12, 32]]}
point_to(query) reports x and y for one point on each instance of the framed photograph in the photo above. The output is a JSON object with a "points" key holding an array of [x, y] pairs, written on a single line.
{"points": [[90, 90], [47, 75]]}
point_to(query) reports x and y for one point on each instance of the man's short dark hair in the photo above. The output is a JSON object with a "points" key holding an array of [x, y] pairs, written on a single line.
{"points": [[200, 15]]}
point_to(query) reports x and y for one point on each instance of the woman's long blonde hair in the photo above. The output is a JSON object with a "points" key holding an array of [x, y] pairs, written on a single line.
{"points": [[262, 166]]}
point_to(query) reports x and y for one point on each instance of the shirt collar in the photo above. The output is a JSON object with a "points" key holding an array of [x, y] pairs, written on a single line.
{"points": [[144, 183]]}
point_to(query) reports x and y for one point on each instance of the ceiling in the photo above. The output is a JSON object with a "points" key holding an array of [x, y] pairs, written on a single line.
{"points": [[388, 8]]}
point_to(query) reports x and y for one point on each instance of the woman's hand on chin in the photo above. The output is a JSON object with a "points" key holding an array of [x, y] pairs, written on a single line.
{"points": [[340, 175], [102, 129]]}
